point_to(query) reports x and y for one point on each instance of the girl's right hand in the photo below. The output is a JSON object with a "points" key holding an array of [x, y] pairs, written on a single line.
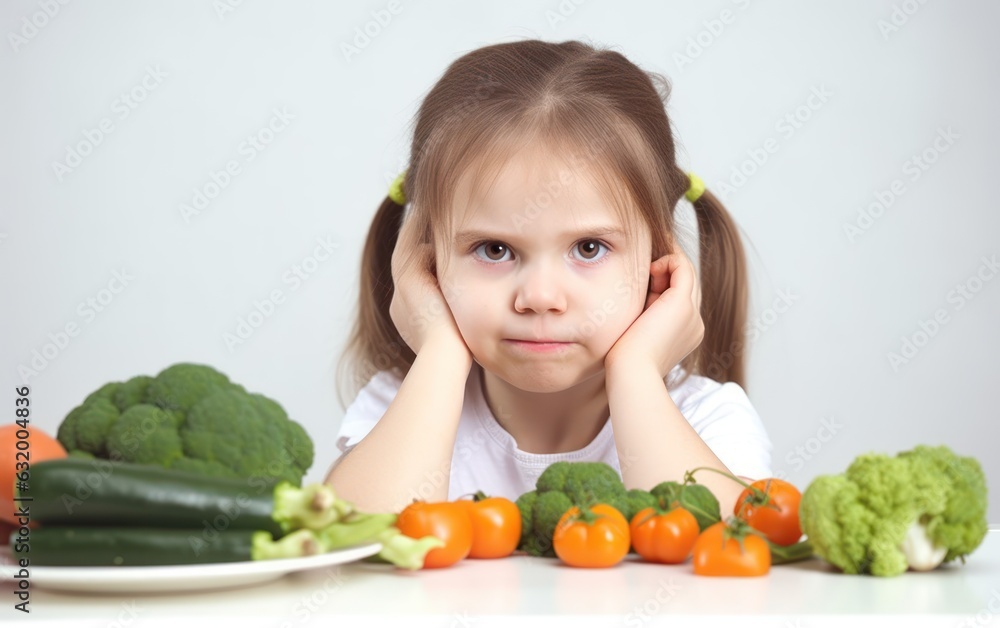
{"points": [[418, 307]]}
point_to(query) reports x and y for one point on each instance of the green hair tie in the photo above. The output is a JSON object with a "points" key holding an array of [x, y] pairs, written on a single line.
{"points": [[696, 189], [396, 192]]}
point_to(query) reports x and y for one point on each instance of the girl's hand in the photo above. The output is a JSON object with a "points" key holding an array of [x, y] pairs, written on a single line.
{"points": [[418, 308], [670, 326]]}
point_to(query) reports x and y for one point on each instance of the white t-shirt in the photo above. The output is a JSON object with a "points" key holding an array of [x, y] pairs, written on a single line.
{"points": [[486, 456]]}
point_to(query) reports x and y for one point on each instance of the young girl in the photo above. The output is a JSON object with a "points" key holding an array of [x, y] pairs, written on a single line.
{"points": [[524, 300]]}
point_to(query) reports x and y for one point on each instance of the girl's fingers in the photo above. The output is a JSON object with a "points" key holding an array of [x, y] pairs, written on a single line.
{"points": [[675, 271]]}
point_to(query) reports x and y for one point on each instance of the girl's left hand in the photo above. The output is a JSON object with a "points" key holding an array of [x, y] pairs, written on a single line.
{"points": [[670, 326]]}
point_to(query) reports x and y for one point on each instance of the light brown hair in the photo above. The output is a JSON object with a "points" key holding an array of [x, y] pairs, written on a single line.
{"points": [[578, 99]]}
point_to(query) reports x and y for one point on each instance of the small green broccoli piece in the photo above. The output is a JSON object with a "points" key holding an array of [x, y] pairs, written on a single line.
{"points": [[561, 486], [145, 434], [295, 440], [87, 426], [695, 498], [106, 391], [131, 393], [885, 514], [639, 500]]}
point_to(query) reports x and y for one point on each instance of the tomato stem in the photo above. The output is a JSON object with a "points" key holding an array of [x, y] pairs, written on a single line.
{"points": [[762, 496]]}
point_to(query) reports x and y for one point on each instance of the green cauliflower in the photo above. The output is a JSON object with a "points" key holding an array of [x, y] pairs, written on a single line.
{"points": [[886, 514], [192, 418], [561, 486]]}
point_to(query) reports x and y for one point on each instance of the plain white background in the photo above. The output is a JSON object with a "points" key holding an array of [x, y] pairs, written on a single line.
{"points": [[180, 86]]}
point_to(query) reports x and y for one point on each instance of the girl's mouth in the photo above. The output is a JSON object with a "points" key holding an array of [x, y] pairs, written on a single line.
{"points": [[538, 347]]}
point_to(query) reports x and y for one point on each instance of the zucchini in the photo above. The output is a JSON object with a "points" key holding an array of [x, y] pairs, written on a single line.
{"points": [[112, 546], [76, 491]]}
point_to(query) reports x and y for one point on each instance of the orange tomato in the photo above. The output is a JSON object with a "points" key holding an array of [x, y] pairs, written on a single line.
{"points": [[742, 554], [496, 525], [16, 460], [448, 521], [666, 537], [778, 519], [597, 538]]}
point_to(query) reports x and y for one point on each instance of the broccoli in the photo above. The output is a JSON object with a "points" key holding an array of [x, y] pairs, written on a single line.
{"points": [[886, 514], [561, 486], [192, 418]]}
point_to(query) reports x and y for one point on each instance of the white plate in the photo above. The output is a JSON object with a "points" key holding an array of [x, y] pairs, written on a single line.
{"points": [[155, 578]]}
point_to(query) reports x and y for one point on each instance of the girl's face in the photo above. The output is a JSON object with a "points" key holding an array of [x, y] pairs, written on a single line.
{"points": [[542, 256]]}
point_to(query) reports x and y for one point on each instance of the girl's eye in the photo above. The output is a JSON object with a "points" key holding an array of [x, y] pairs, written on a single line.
{"points": [[497, 251], [590, 249], [492, 249]]}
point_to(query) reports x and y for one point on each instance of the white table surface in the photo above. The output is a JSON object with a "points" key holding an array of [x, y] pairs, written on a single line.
{"points": [[630, 593]]}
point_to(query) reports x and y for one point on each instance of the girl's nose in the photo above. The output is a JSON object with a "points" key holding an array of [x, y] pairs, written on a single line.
{"points": [[540, 289]]}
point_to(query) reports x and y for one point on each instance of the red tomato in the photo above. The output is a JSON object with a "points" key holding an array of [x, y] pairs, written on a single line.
{"points": [[448, 521], [778, 518], [731, 549], [598, 538], [664, 538], [496, 525]]}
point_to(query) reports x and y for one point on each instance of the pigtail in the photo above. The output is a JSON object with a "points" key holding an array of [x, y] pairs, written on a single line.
{"points": [[724, 293], [374, 343]]}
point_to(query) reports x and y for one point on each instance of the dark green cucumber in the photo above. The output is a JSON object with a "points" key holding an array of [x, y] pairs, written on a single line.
{"points": [[100, 546], [77, 491]]}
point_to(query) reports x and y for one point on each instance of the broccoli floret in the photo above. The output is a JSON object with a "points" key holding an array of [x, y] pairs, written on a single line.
{"points": [[181, 386], [87, 426], [204, 467], [561, 486], [638, 500], [192, 418], [145, 434], [886, 514], [131, 393], [227, 427], [106, 391]]}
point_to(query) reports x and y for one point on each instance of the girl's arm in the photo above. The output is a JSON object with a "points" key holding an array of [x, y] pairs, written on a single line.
{"points": [[655, 442], [408, 453]]}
